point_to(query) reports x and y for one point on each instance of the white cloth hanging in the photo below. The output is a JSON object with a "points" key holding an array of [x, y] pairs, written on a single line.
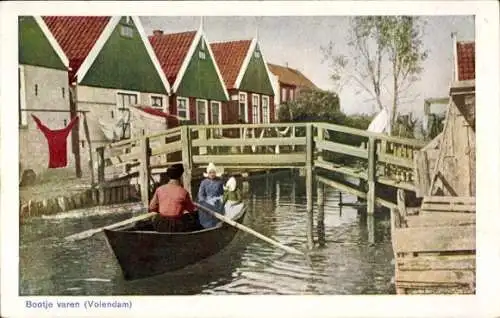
{"points": [[381, 123]]}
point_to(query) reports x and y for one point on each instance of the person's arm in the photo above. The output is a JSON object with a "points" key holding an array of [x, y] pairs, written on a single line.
{"points": [[202, 193], [188, 204], [154, 205]]}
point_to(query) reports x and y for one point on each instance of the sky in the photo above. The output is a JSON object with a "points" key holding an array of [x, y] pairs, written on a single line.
{"points": [[297, 40]]}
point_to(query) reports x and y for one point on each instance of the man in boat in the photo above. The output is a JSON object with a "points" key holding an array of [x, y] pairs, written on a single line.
{"points": [[176, 211], [210, 194]]}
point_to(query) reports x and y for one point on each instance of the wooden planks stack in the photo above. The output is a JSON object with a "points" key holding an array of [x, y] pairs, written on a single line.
{"points": [[435, 249]]}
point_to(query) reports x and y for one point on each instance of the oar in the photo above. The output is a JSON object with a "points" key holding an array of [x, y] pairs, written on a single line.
{"points": [[91, 232], [249, 230]]}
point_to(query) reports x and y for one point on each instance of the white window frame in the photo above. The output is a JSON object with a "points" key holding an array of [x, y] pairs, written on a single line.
{"points": [[162, 106], [23, 115], [258, 109], [219, 105], [123, 92], [283, 94], [245, 115], [206, 111], [187, 108], [267, 112], [119, 112]]}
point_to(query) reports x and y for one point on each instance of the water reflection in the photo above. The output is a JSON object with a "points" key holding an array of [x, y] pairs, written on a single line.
{"points": [[353, 254]]}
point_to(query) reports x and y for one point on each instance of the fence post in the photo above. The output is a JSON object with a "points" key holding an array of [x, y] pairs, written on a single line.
{"points": [[187, 159], [372, 165], [98, 197], [309, 184], [144, 170]]}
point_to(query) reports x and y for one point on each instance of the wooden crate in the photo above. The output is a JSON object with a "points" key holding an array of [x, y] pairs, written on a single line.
{"points": [[435, 250]]}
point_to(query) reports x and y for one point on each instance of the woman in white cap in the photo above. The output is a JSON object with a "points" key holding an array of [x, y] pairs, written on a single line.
{"points": [[210, 193]]}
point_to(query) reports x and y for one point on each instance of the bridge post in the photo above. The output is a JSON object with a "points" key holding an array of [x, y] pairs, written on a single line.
{"points": [[144, 170], [372, 165], [320, 195], [309, 184], [187, 159], [320, 138]]}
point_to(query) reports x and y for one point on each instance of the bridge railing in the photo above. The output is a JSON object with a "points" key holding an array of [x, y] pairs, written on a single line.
{"points": [[377, 157], [366, 155]]}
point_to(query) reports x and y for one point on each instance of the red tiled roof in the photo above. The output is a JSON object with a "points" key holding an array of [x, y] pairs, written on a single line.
{"points": [[76, 35], [171, 50], [466, 58], [290, 76], [229, 57]]}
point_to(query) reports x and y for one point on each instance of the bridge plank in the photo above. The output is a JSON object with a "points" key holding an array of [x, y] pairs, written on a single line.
{"points": [[440, 239], [429, 207], [341, 148], [436, 277], [353, 172], [250, 159], [233, 142], [171, 147], [449, 199]]}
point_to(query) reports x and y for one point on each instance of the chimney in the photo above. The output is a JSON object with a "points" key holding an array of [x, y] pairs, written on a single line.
{"points": [[286, 64], [455, 56], [157, 32]]}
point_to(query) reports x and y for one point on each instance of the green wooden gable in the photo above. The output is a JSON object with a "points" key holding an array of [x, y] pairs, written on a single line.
{"points": [[124, 63], [256, 79], [200, 79], [34, 47]]}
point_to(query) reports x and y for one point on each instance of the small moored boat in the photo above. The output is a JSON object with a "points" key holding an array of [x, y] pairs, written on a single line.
{"points": [[142, 252]]}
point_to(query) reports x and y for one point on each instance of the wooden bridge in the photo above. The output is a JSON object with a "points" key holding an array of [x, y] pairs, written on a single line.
{"points": [[328, 149]]}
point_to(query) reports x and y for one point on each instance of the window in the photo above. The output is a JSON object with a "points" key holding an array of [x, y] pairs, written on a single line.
{"points": [[23, 115], [182, 108], [215, 113], [201, 112], [242, 107], [201, 54], [125, 100], [216, 117], [157, 102], [257, 54], [255, 109], [265, 109], [283, 94], [126, 31], [291, 94]]}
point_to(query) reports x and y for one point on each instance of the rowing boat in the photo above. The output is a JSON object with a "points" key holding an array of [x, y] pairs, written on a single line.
{"points": [[142, 252]]}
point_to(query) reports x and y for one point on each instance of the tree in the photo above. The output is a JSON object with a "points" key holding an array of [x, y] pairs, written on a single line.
{"points": [[384, 50], [310, 105]]}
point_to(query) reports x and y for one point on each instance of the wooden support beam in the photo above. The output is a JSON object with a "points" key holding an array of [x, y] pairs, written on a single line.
{"points": [[320, 198], [144, 171], [309, 184], [187, 160], [100, 165], [372, 162]]}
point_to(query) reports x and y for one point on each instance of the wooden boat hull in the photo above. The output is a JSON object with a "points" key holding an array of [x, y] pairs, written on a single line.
{"points": [[142, 254]]}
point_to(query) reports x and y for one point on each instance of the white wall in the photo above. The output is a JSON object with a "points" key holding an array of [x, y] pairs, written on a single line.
{"points": [[42, 89]]}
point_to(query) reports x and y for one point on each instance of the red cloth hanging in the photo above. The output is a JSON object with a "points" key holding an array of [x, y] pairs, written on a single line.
{"points": [[57, 142]]}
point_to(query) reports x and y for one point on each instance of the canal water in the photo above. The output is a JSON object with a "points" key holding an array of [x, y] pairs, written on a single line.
{"points": [[356, 258]]}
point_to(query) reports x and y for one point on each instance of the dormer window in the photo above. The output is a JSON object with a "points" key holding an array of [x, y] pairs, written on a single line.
{"points": [[126, 31], [202, 54]]}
